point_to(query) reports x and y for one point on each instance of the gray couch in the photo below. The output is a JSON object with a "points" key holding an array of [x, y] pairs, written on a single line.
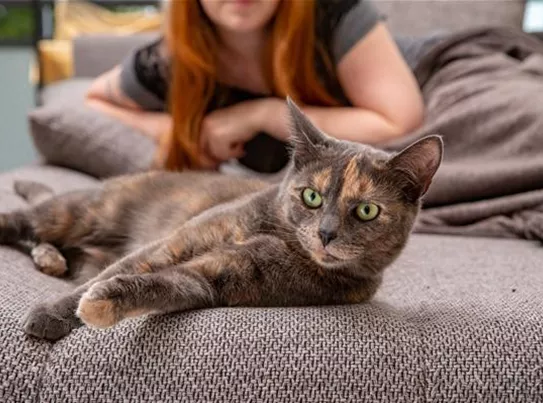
{"points": [[457, 320]]}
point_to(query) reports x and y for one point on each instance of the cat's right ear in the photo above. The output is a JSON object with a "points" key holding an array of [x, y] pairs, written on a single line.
{"points": [[306, 139], [416, 165]]}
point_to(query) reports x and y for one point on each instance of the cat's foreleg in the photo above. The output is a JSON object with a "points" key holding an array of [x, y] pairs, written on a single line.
{"points": [[54, 319], [50, 224], [231, 276], [108, 302]]}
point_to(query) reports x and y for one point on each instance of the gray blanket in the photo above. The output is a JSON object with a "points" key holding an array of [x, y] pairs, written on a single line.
{"points": [[484, 93]]}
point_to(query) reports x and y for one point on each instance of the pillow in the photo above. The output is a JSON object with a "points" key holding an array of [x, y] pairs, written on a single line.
{"points": [[68, 133]]}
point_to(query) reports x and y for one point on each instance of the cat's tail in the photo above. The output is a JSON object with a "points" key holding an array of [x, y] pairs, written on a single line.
{"points": [[33, 192], [16, 226]]}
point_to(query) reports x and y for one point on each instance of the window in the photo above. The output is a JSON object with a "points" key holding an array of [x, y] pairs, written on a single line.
{"points": [[16, 24], [18, 18], [533, 19]]}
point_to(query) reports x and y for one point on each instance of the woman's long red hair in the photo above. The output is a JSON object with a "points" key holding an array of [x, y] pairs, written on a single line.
{"points": [[289, 68]]}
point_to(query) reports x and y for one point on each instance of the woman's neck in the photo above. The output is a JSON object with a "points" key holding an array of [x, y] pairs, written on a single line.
{"points": [[241, 57], [243, 46]]}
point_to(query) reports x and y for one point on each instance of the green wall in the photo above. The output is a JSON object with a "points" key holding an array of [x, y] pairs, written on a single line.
{"points": [[16, 99]]}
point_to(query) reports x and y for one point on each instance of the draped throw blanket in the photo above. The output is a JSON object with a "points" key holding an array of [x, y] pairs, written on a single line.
{"points": [[484, 93]]}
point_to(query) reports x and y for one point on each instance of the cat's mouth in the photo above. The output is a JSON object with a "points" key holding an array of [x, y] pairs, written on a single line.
{"points": [[321, 255]]}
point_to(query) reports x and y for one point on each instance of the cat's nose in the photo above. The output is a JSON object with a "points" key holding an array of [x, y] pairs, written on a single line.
{"points": [[327, 236]]}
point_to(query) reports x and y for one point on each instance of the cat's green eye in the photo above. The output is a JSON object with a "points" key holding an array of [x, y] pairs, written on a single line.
{"points": [[311, 198], [367, 211]]}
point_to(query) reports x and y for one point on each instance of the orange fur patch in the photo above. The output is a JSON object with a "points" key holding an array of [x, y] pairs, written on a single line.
{"points": [[238, 236], [97, 313], [175, 248], [143, 268], [354, 182], [209, 266], [322, 179]]}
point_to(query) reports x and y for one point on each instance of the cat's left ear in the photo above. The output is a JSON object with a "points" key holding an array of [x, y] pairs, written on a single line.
{"points": [[306, 139], [416, 166]]}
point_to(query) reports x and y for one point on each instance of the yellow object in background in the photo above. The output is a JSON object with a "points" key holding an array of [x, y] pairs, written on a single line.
{"points": [[79, 17], [56, 61]]}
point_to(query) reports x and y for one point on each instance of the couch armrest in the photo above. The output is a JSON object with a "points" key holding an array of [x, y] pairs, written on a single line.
{"points": [[95, 54]]}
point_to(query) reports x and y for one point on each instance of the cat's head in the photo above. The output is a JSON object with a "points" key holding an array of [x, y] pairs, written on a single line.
{"points": [[352, 204]]}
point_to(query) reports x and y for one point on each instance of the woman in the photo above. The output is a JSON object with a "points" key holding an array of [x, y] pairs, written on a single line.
{"points": [[216, 81]]}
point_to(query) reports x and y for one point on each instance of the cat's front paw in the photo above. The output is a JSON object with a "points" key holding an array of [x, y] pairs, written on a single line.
{"points": [[44, 321], [97, 309]]}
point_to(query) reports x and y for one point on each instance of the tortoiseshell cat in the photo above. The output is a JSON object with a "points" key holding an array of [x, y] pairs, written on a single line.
{"points": [[174, 242]]}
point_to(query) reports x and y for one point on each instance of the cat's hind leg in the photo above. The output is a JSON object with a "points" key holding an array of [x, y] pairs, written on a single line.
{"points": [[49, 260], [48, 225], [19, 226], [46, 257], [16, 227]]}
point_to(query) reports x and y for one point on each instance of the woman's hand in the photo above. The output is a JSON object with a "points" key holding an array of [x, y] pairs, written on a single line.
{"points": [[225, 131]]}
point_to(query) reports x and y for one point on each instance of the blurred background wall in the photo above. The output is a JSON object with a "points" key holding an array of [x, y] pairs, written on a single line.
{"points": [[18, 19], [16, 98]]}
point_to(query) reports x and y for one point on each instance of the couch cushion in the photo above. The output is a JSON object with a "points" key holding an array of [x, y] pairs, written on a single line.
{"points": [[95, 54], [67, 132], [457, 319], [66, 91], [57, 178], [23, 363]]}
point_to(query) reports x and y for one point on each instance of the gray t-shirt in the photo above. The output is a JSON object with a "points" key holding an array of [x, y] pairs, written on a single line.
{"points": [[340, 24]]}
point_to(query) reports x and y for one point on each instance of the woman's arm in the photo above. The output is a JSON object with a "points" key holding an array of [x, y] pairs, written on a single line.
{"points": [[386, 100], [106, 95]]}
